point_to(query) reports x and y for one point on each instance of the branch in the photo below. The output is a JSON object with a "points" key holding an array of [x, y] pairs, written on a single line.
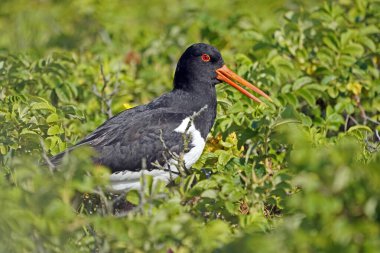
{"points": [[46, 157], [106, 206], [179, 161], [106, 99], [105, 81], [362, 111]]}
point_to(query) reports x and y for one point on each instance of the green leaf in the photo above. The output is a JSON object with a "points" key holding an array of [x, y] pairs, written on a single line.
{"points": [[52, 118], [63, 92], [366, 41], [284, 122], [369, 29], [307, 95], [242, 58], [346, 37], [301, 82], [331, 42], [223, 157], [3, 149], [133, 197], [290, 98], [230, 207], [332, 92], [148, 183], [43, 106], [211, 194], [54, 130], [347, 60], [328, 79], [315, 87], [354, 49], [335, 119], [360, 128]]}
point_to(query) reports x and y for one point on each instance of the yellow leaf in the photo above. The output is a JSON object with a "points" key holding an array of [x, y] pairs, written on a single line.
{"points": [[311, 69], [213, 143], [354, 87], [127, 105]]}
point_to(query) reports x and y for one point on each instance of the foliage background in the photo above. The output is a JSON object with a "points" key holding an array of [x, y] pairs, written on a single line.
{"points": [[299, 175]]}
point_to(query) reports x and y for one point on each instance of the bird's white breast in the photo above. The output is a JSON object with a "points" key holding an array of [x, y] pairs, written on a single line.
{"points": [[128, 180], [197, 142]]}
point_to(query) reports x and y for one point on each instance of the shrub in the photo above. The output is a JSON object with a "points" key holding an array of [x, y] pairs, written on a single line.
{"points": [[297, 175]]}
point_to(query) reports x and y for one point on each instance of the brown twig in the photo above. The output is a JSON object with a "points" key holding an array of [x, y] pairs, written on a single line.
{"points": [[362, 111]]}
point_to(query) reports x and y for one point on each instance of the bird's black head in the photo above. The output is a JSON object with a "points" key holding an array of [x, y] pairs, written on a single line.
{"points": [[196, 69], [201, 67]]}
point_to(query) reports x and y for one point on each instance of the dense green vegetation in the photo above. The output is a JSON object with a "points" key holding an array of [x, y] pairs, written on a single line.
{"points": [[299, 175]]}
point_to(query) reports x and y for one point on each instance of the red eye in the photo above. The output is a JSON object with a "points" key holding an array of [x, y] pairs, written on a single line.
{"points": [[206, 58]]}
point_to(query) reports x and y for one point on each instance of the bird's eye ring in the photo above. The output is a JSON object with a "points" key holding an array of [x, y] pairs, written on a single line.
{"points": [[205, 57]]}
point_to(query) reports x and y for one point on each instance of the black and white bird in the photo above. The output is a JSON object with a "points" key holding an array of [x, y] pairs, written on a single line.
{"points": [[150, 133]]}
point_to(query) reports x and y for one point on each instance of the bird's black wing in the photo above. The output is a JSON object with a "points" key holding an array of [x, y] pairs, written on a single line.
{"points": [[123, 141]]}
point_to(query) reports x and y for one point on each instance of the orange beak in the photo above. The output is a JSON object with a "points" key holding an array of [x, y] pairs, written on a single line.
{"points": [[228, 76]]}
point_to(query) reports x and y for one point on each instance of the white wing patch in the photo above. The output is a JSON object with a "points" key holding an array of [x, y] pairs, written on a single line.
{"points": [[128, 180], [197, 142]]}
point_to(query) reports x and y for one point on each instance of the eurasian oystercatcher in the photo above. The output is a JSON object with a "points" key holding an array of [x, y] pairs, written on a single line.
{"points": [[174, 124]]}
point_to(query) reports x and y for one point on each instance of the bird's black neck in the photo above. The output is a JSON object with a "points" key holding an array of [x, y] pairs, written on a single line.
{"points": [[202, 103], [195, 99]]}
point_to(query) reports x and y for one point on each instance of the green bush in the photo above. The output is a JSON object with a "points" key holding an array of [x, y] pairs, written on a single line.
{"points": [[301, 174]]}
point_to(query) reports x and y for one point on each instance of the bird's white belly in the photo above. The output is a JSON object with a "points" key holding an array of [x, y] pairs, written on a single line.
{"points": [[128, 180]]}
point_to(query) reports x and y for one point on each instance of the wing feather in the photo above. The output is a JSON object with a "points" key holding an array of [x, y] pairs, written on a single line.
{"points": [[124, 141]]}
